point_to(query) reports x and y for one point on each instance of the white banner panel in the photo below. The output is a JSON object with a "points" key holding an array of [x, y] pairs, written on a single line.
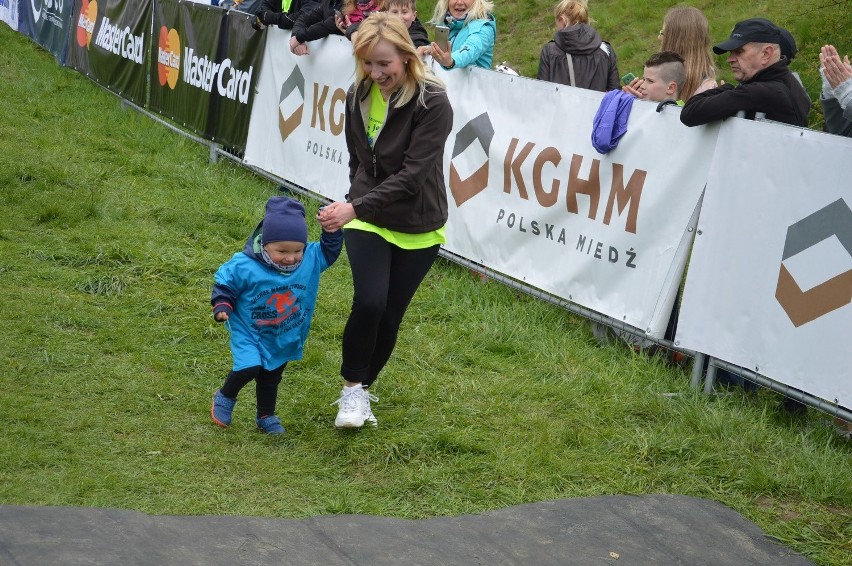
{"points": [[530, 197], [770, 279], [296, 127], [9, 13], [533, 199]]}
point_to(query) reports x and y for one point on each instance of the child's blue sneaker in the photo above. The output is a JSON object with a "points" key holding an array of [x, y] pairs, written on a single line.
{"points": [[222, 409], [270, 425]]}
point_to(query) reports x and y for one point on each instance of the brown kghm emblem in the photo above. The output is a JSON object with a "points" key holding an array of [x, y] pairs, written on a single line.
{"points": [[477, 131], [295, 84], [805, 306]]}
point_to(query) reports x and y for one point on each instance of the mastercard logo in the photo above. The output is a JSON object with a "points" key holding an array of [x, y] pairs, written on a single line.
{"points": [[86, 22], [168, 57]]}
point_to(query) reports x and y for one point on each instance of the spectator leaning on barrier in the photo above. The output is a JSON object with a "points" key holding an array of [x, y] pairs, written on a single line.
{"points": [[281, 13], [315, 21], [663, 77], [577, 56], [398, 119], [472, 33], [836, 97], [765, 83]]}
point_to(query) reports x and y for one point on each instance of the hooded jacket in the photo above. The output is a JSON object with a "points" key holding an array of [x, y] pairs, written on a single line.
{"points": [[773, 91], [269, 312], [398, 183], [473, 42], [595, 63]]}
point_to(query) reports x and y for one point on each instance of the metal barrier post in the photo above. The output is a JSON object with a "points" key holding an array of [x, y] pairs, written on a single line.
{"points": [[711, 376], [697, 370], [214, 152]]}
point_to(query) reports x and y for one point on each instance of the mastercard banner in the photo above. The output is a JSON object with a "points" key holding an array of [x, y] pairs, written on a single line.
{"points": [[109, 40], [204, 65], [48, 23]]}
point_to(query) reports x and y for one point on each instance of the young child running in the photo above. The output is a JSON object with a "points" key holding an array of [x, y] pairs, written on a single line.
{"points": [[267, 294]]}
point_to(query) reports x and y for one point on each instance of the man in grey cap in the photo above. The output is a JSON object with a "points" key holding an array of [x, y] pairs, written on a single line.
{"points": [[765, 83]]}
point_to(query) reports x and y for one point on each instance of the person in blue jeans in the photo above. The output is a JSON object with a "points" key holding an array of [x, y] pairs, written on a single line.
{"points": [[473, 30], [267, 295]]}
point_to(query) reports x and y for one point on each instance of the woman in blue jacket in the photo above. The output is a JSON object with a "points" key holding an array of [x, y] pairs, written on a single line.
{"points": [[472, 32]]}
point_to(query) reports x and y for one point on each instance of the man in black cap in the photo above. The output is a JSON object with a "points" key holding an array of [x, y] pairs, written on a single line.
{"points": [[765, 83]]}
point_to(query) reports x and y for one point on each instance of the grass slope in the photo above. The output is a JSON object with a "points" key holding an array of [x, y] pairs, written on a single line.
{"points": [[112, 229]]}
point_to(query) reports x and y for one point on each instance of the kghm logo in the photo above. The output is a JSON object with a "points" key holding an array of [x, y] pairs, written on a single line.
{"points": [[168, 57], [120, 42], [469, 164], [86, 22], [820, 228], [291, 103]]}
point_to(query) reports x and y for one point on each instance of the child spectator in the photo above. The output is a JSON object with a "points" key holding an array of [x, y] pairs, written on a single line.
{"points": [[663, 77], [315, 21], [407, 10], [267, 294], [577, 56], [357, 10], [472, 33]]}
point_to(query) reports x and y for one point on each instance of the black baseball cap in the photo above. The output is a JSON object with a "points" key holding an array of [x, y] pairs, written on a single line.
{"points": [[756, 30], [787, 44]]}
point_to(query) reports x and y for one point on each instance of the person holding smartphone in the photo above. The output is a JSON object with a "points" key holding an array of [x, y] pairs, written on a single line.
{"points": [[471, 30]]}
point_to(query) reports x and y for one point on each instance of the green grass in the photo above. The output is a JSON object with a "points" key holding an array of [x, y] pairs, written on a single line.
{"points": [[112, 229]]}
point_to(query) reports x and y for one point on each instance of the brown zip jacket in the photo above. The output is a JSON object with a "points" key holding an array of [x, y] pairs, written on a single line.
{"points": [[398, 183]]}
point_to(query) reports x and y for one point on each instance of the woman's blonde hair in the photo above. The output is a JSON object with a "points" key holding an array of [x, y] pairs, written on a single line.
{"points": [[381, 26], [575, 11], [686, 31], [480, 10]]}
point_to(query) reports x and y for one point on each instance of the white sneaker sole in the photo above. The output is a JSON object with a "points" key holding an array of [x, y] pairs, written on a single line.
{"points": [[349, 422]]}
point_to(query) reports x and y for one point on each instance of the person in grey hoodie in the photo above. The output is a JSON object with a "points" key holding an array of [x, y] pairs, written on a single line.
{"points": [[577, 56]]}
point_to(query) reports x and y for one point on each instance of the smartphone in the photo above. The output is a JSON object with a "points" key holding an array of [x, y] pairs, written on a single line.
{"points": [[627, 78], [442, 37], [338, 14]]}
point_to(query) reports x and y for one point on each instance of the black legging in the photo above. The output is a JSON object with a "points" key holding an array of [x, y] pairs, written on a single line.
{"points": [[385, 278], [265, 382]]}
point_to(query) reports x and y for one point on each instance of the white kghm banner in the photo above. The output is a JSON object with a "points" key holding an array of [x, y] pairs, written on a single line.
{"points": [[533, 199], [530, 197], [296, 127], [9, 13], [770, 279]]}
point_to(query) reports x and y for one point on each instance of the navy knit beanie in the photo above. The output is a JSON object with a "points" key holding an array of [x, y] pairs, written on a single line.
{"points": [[284, 221]]}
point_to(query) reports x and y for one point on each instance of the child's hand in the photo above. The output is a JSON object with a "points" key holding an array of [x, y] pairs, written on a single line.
{"points": [[297, 48], [221, 317], [633, 87], [334, 216]]}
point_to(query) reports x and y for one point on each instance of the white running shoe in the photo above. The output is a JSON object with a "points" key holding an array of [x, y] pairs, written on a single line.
{"points": [[366, 410], [350, 412]]}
